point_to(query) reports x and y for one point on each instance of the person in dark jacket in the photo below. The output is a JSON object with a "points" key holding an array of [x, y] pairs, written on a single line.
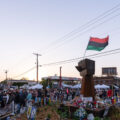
{"points": [[39, 96], [1, 100], [22, 98], [17, 97]]}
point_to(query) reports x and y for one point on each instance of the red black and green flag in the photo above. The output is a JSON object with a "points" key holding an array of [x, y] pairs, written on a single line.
{"points": [[97, 44]]}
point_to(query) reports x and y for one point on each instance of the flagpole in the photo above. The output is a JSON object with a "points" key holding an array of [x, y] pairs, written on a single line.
{"points": [[85, 53]]}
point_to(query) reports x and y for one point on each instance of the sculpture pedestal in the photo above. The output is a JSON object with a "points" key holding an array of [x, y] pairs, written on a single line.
{"points": [[87, 89]]}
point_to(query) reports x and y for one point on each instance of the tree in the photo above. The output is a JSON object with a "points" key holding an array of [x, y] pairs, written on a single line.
{"points": [[4, 82], [19, 84], [44, 82], [24, 78]]}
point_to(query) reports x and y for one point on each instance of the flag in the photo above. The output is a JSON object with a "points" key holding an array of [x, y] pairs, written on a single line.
{"points": [[97, 44]]}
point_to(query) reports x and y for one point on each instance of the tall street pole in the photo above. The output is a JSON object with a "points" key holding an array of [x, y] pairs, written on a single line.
{"points": [[60, 77], [6, 75], [37, 55]]}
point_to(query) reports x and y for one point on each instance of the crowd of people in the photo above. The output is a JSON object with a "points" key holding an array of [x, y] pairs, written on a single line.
{"points": [[20, 98]]}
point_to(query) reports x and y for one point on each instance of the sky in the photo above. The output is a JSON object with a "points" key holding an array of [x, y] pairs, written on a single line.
{"points": [[45, 26]]}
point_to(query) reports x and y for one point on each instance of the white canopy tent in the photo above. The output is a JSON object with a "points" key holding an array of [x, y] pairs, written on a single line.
{"points": [[65, 85], [105, 86], [116, 87], [25, 87], [101, 86], [98, 86], [37, 86], [76, 86]]}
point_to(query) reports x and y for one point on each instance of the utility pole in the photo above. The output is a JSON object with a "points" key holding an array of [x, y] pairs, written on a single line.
{"points": [[60, 77], [6, 71], [37, 55]]}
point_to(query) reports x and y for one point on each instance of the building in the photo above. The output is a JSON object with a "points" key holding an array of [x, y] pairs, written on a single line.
{"points": [[29, 82], [70, 80], [107, 80]]}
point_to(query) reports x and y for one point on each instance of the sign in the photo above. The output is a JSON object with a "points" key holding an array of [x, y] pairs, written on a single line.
{"points": [[109, 71]]}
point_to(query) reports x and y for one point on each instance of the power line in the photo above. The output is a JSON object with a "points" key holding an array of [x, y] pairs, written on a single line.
{"points": [[87, 30], [82, 58], [63, 42], [106, 54], [19, 63], [112, 31], [84, 26], [110, 52], [91, 56], [69, 61], [24, 72], [91, 22]]}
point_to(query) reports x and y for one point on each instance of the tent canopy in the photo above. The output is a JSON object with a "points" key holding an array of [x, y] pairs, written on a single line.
{"points": [[65, 85], [37, 86], [105, 86], [116, 87], [101, 86], [76, 86], [97, 86]]}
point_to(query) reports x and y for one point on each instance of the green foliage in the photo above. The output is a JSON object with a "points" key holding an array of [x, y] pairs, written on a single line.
{"points": [[44, 83], [76, 118], [4, 82], [49, 104], [49, 116], [97, 118], [46, 108], [106, 118], [19, 84], [63, 114]]}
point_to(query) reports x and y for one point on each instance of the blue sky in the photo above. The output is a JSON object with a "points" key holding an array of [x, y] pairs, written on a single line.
{"points": [[28, 26]]}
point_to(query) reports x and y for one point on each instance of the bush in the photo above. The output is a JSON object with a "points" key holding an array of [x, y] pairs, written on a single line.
{"points": [[49, 116], [97, 118], [63, 112]]}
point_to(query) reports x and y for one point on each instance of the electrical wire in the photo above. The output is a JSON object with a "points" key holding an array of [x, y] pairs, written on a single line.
{"points": [[84, 26], [110, 52], [24, 72], [89, 56], [82, 33]]}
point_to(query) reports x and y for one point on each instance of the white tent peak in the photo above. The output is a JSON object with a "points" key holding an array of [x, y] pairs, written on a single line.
{"points": [[37, 86]]}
